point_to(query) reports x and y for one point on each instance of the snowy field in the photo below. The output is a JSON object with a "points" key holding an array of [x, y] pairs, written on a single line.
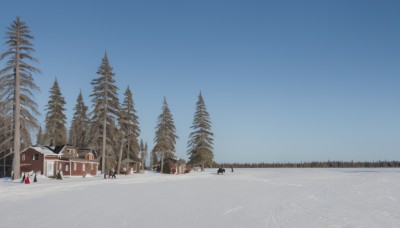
{"points": [[245, 198]]}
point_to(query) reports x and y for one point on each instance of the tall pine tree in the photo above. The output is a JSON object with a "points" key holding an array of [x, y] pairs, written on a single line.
{"points": [[56, 132], [165, 138], [16, 88], [78, 133], [105, 101], [129, 125], [200, 145]]}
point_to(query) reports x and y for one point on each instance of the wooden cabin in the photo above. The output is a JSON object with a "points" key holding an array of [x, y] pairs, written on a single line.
{"points": [[173, 166]]}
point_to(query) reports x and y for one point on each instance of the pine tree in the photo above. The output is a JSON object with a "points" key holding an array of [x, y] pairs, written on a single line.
{"points": [[129, 125], [78, 133], [143, 153], [146, 149], [165, 138], [153, 157], [56, 132], [39, 137], [103, 129], [200, 145], [17, 84]]}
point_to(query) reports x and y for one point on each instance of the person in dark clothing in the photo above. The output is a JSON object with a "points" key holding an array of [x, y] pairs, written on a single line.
{"points": [[232, 168], [112, 174]]}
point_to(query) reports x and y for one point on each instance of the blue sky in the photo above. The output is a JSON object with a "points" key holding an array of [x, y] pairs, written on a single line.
{"points": [[283, 81]]}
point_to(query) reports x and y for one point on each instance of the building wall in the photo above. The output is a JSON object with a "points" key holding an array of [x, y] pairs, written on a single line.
{"points": [[28, 163], [76, 168]]}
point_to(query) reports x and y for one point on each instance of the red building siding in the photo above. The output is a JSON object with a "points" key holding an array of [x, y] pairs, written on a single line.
{"points": [[32, 160], [28, 163]]}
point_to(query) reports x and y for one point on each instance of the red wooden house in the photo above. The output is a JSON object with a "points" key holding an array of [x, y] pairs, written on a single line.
{"points": [[49, 160]]}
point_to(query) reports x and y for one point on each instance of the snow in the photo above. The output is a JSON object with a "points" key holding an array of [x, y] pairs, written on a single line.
{"points": [[42, 150], [245, 198]]}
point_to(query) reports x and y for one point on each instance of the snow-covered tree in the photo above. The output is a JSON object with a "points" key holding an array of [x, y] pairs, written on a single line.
{"points": [[200, 145], [56, 132], [17, 86]]}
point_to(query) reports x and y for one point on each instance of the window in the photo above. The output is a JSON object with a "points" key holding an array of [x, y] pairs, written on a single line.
{"points": [[59, 166], [74, 166], [35, 157], [91, 166], [23, 157], [83, 167], [66, 168]]}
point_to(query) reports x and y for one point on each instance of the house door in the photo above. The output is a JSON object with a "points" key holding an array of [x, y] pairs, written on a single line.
{"points": [[50, 168]]}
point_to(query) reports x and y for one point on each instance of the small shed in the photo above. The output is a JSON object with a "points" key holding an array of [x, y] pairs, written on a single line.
{"points": [[174, 166], [181, 166], [129, 166]]}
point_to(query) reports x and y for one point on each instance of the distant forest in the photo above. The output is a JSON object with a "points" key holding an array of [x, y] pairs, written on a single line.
{"points": [[326, 164]]}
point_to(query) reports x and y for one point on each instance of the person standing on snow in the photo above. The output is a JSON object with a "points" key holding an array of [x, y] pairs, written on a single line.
{"points": [[27, 181]]}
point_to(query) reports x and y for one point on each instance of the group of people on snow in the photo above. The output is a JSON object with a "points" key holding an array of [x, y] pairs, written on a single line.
{"points": [[26, 178]]}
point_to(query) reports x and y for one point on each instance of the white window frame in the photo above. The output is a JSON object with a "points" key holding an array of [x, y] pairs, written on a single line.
{"points": [[83, 167], [75, 166], [66, 168]]}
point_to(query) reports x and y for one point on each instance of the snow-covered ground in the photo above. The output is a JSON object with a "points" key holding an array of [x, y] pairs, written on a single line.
{"points": [[245, 198]]}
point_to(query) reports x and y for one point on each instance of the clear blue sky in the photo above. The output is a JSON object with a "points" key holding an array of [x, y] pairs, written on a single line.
{"points": [[282, 80]]}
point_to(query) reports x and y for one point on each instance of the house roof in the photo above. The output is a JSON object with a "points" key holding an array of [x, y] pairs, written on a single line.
{"points": [[58, 149], [41, 149]]}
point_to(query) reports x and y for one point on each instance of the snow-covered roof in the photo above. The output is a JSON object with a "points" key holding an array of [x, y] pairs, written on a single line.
{"points": [[42, 150]]}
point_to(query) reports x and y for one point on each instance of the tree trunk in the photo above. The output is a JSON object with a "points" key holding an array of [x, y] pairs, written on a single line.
{"points": [[120, 155], [103, 153], [129, 140], [162, 162], [17, 123]]}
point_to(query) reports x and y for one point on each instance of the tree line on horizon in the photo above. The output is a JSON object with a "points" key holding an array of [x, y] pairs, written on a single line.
{"points": [[315, 164], [111, 129]]}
